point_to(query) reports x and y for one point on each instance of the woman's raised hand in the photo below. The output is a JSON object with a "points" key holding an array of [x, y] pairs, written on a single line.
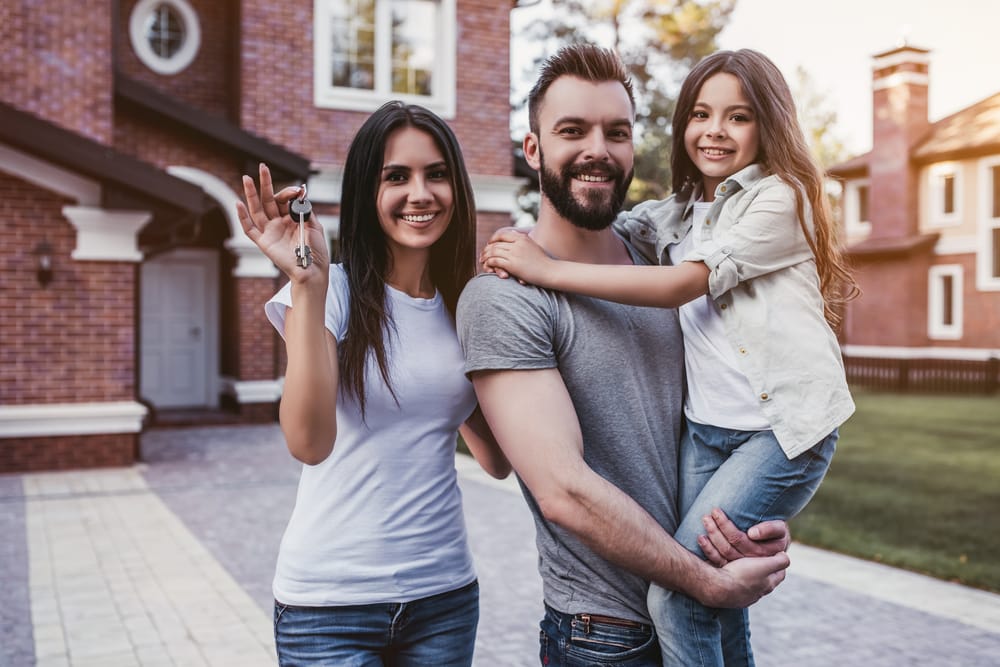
{"points": [[266, 222]]}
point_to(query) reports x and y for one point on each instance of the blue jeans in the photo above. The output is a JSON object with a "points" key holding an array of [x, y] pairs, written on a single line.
{"points": [[436, 631], [576, 641], [747, 475]]}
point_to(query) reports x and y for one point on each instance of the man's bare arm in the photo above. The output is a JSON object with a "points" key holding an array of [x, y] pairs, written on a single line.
{"points": [[533, 419]]}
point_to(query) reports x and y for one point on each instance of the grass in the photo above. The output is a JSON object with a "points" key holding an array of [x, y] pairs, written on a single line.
{"points": [[915, 483]]}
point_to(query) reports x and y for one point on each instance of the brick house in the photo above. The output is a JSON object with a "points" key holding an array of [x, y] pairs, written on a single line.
{"points": [[127, 287], [922, 215]]}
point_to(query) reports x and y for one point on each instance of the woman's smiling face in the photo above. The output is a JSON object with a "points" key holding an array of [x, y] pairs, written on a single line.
{"points": [[415, 201]]}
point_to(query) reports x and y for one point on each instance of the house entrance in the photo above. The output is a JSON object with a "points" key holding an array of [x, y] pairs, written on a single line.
{"points": [[178, 332]]}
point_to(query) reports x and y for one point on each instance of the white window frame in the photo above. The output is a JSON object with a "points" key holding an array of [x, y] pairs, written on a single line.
{"points": [[154, 61], [855, 226], [986, 224], [937, 329], [327, 96], [936, 174]]}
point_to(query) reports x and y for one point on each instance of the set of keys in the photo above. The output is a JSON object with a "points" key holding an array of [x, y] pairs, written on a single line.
{"points": [[300, 209]]}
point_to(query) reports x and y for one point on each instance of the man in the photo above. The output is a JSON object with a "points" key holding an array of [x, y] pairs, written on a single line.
{"points": [[585, 396]]}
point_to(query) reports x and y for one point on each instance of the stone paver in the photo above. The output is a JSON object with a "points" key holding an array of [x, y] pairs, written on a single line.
{"points": [[170, 563]]}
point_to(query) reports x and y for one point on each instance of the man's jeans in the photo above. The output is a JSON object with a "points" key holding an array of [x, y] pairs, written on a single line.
{"points": [[747, 475], [435, 631], [573, 641]]}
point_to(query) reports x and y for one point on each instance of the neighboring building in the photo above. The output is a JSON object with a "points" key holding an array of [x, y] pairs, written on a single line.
{"points": [[127, 287], [922, 215]]}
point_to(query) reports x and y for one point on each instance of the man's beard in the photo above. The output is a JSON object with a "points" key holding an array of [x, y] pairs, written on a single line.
{"points": [[600, 208]]}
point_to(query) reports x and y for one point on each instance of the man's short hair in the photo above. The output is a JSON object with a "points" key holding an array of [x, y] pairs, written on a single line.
{"points": [[584, 61]]}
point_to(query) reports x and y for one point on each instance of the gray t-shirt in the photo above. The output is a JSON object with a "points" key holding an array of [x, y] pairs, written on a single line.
{"points": [[624, 369]]}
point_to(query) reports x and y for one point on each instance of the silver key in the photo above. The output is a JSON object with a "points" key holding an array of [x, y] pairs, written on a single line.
{"points": [[300, 209]]}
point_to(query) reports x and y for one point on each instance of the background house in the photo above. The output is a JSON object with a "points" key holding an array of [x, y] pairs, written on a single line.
{"points": [[127, 288], [922, 215]]}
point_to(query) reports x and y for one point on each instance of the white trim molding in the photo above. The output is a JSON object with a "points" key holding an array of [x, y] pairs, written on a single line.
{"points": [[139, 37], [936, 215], [84, 191], [497, 193], [252, 391], [987, 226], [901, 57], [493, 192], [937, 300], [856, 227], [899, 78], [966, 244], [890, 352], [104, 235], [54, 419], [442, 60]]}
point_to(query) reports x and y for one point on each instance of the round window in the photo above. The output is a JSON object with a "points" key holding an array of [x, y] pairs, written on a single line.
{"points": [[165, 34]]}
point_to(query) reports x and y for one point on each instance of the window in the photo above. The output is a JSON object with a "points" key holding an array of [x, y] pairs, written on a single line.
{"points": [[946, 194], [856, 194], [988, 258], [370, 51], [165, 34], [944, 307]]}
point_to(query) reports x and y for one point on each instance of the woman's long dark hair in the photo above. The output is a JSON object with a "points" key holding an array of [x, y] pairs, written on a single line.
{"points": [[783, 151], [365, 253]]}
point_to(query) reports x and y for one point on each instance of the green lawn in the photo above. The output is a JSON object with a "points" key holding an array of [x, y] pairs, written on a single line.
{"points": [[915, 483]]}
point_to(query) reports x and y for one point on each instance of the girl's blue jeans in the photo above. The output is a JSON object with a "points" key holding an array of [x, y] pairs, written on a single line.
{"points": [[439, 630], [748, 476]]}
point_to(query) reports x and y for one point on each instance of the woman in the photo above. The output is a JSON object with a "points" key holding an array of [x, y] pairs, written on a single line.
{"points": [[374, 567]]}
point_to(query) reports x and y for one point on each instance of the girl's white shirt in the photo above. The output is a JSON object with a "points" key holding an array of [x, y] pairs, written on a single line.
{"points": [[380, 520], [764, 284], [718, 393]]}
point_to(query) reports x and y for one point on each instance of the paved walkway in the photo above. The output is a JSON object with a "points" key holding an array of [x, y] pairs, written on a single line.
{"points": [[169, 563]]}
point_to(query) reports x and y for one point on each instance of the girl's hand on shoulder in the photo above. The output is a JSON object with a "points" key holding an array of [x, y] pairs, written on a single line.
{"points": [[510, 252], [266, 221]]}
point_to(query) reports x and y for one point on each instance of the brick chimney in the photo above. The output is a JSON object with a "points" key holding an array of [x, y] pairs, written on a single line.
{"points": [[899, 105]]}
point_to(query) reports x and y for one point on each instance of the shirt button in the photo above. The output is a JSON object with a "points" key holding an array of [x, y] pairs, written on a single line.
{"points": [[764, 396], [722, 307], [743, 350]]}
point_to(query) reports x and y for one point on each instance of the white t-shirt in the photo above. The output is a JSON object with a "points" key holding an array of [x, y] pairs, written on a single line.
{"points": [[380, 520], [719, 393]]}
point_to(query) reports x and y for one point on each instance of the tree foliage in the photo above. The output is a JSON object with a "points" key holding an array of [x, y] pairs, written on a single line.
{"points": [[659, 41]]}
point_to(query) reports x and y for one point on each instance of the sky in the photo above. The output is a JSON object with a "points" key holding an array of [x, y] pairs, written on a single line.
{"points": [[835, 41]]}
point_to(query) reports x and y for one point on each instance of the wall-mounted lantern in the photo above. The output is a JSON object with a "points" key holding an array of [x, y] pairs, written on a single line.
{"points": [[43, 265]]}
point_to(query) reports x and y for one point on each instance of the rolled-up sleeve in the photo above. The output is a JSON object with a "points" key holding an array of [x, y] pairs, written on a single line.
{"points": [[763, 236]]}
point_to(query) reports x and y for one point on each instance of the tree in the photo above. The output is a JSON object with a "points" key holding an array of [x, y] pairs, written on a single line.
{"points": [[659, 41], [819, 124]]}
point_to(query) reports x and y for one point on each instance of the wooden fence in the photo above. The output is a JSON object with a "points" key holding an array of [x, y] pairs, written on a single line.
{"points": [[958, 376]]}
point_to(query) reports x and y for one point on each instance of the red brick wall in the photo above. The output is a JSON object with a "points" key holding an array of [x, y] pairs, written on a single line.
{"points": [[980, 310], [67, 452], [55, 63], [273, 107], [152, 142], [255, 335], [893, 307], [486, 224], [207, 83], [900, 118], [73, 341]]}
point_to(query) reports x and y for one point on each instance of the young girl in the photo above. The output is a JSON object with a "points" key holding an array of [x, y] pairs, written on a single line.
{"points": [[374, 566], [756, 273]]}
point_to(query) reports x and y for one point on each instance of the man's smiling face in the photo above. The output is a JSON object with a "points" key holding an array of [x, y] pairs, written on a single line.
{"points": [[584, 150]]}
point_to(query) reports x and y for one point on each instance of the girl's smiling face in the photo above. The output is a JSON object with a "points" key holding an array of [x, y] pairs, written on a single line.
{"points": [[722, 135]]}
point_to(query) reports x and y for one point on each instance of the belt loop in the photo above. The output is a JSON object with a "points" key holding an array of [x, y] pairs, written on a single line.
{"points": [[586, 623]]}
